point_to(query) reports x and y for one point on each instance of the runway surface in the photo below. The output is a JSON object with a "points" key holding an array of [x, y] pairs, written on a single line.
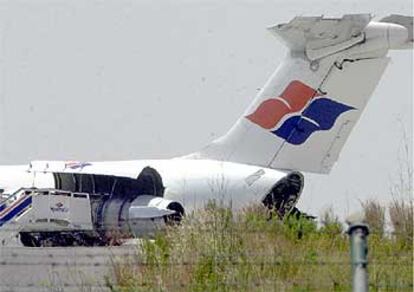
{"points": [[58, 268]]}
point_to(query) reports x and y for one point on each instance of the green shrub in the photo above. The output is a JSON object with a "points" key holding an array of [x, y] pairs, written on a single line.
{"points": [[216, 250]]}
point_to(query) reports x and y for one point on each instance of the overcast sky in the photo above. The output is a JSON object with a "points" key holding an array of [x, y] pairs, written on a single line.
{"points": [[116, 80]]}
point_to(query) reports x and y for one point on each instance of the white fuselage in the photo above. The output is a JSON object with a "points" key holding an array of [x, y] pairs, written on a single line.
{"points": [[191, 182]]}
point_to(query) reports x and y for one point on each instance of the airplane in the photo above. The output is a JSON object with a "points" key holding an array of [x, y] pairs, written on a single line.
{"points": [[297, 123]]}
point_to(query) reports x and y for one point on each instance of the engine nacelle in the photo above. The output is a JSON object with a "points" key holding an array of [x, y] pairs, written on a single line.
{"points": [[285, 193], [139, 217]]}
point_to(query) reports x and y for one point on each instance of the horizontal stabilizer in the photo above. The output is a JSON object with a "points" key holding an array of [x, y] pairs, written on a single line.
{"points": [[319, 36]]}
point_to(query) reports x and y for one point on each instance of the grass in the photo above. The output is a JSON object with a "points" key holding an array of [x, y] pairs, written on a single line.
{"points": [[401, 215], [218, 250]]}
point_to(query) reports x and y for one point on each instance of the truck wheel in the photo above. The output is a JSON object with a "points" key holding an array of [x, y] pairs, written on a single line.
{"points": [[28, 240]]}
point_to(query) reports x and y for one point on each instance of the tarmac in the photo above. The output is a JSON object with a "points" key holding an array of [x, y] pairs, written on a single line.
{"points": [[58, 268]]}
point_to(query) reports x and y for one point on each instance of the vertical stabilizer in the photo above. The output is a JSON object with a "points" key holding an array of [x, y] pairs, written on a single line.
{"points": [[304, 114]]}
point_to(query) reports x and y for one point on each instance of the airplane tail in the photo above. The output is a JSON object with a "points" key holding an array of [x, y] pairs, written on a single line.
{"points": [[304, 114]]}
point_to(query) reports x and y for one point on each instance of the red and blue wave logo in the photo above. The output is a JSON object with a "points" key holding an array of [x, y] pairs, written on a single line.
{"points": [[76, 164], [309, 112]]}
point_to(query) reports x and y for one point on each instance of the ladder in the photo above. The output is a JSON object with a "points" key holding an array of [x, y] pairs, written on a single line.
{"points": [[14, 205]]}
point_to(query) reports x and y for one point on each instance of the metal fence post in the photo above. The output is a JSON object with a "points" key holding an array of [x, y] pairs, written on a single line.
{"points": [[358, 232]]}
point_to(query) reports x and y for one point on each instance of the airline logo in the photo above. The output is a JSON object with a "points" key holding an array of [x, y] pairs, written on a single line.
{"points": [[306, 111], [76, 164], [59, 207]]}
